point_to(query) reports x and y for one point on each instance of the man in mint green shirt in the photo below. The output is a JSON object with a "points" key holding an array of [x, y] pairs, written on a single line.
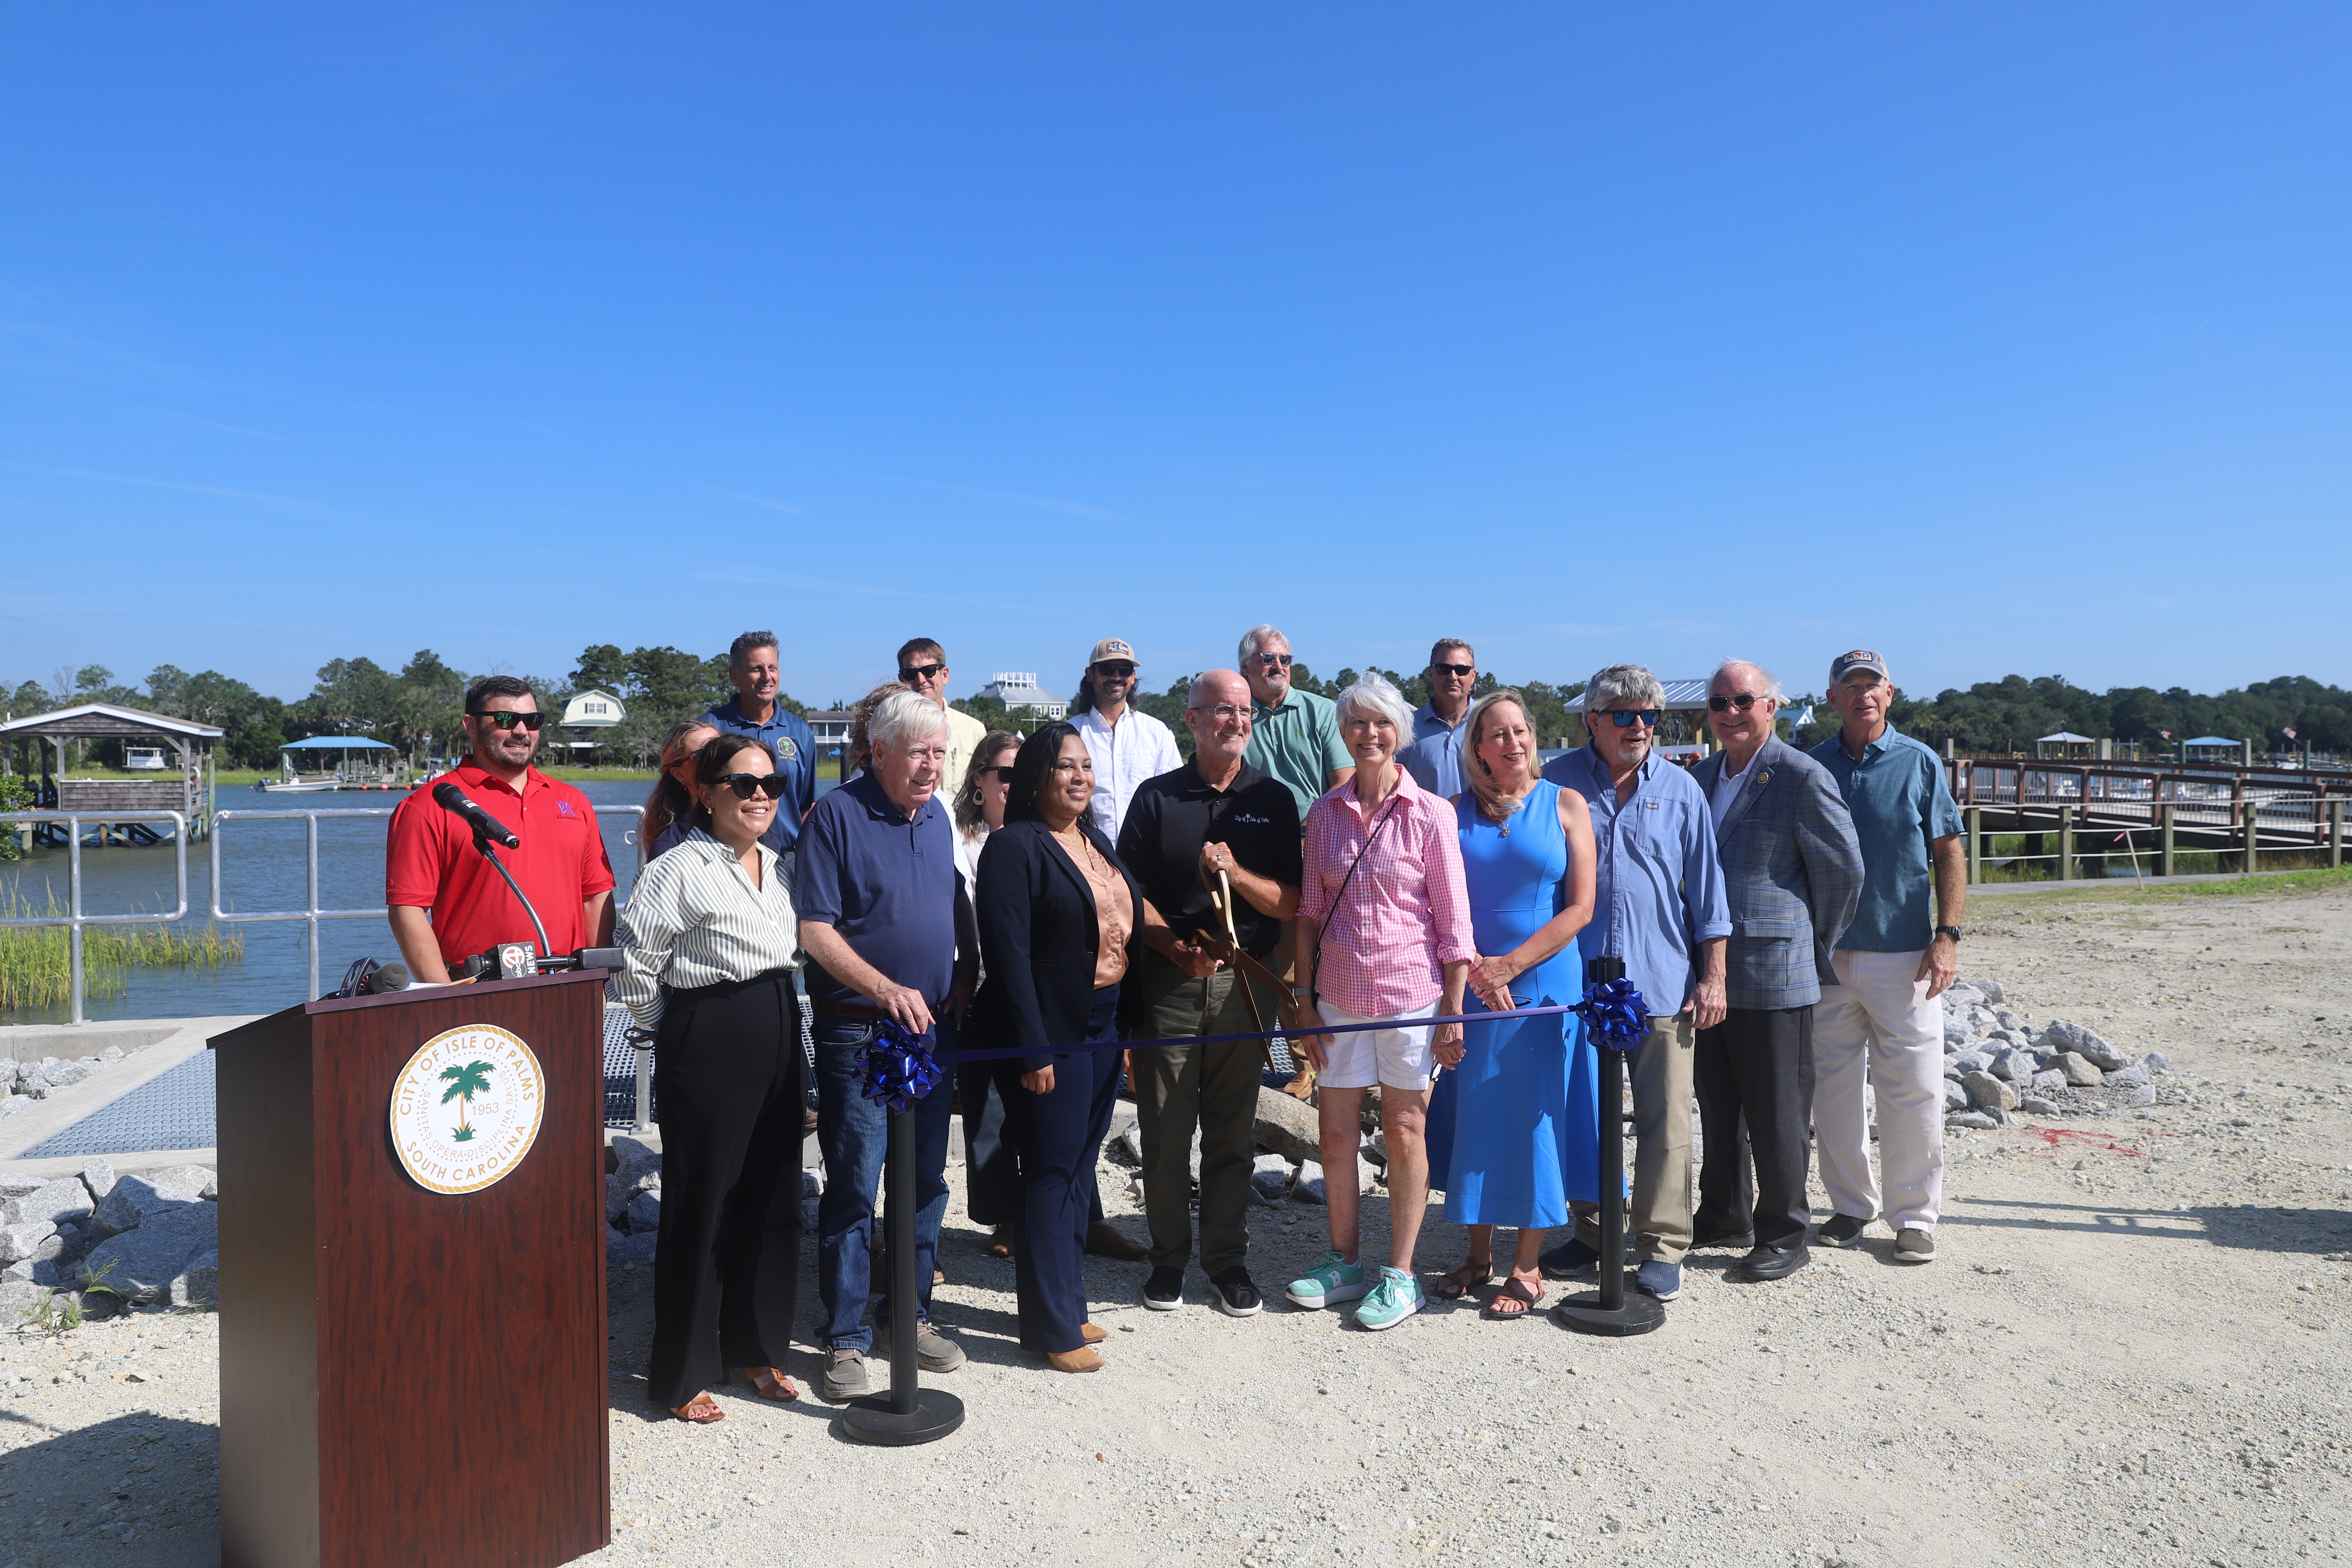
{"points": [[1294, 735]]}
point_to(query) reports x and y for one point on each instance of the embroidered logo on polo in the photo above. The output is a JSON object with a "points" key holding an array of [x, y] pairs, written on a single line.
{"points": [[787, 749], [1259, 821], [563, 808]]}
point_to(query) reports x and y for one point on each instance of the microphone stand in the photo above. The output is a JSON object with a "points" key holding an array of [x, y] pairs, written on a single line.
{"points": [[490, 853]]}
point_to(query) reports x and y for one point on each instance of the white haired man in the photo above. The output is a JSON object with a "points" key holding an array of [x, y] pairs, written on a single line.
{"points": [[1893, 961], [1658, 904], [1793, 870], [876, 889]]}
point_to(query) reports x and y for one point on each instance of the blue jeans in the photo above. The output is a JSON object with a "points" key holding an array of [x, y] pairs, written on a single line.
{"points": [[852, 1135]]}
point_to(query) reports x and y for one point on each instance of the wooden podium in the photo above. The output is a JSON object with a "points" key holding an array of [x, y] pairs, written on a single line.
{"points": [[410, 1378]]}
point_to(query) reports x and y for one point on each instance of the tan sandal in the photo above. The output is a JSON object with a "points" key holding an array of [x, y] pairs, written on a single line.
{"points": [[1514, 1290], [702, 1410], [1456, 1283], [770, 1383], [1079, 1359]]}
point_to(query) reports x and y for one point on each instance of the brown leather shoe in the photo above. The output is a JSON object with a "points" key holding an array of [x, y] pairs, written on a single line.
{"points": [[1080, 1360], [1104, 1240], [1094, 1334]]}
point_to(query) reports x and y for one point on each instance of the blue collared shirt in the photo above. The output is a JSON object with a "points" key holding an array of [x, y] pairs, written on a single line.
{"points": [[1900, 803], [1657, 885], [787, 734], [1434, 758], [887, 882]]}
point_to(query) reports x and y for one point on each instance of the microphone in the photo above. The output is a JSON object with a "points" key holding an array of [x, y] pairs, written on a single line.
{"points": [[484, 824], [388, 977]]}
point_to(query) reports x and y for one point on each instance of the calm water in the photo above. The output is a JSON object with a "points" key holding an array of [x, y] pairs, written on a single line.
{"points": [[262, 868]]}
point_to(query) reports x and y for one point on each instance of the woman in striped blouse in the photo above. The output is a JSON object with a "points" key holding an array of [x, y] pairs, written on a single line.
{"points": [[707, 940]]}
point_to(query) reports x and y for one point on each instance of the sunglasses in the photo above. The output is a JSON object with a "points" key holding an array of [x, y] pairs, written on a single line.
{"points": [[1626, 717], [1119, 667], [1459, 671], [770, 784], [506, 720], [1272, 659], [1743, 702], [1001, 774], [921, 672]]}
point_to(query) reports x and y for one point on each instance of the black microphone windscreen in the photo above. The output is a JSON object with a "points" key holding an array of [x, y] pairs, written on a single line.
{"points": [[390, 977], [450, 795]]}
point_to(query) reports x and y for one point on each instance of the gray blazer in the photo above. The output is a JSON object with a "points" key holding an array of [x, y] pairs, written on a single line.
{"points": [[1792, 869]]}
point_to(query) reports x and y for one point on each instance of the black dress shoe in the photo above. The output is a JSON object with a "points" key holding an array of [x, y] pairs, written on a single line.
{"points": [[1739, 1240], [1770, 1263]]}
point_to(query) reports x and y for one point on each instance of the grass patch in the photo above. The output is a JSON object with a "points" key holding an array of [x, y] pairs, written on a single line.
{"points": [[2305, 882], [37, 961]]}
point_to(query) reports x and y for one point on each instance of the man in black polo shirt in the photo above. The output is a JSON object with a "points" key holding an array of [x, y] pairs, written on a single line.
{"points": [[1214, 814]]}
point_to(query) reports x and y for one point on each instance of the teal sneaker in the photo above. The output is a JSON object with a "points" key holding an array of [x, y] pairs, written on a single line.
{"points": [[1338, 1280], [1396, 1297]]}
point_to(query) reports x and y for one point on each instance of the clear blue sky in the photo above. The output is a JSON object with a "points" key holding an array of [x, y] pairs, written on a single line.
{"points": [[1998, 338]]}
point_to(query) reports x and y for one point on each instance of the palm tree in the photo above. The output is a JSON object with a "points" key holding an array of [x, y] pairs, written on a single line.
{"points": [[465, 1082]]}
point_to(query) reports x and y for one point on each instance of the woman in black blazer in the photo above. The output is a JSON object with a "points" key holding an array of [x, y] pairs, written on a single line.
{"points": [[1057, 913]]}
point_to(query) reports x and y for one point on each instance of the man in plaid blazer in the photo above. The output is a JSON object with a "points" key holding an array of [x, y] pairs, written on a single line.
{"points": [[1792, 869]]}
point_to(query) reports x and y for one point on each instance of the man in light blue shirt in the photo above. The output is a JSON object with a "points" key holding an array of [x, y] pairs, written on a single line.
{"points": [[1659, 905], [1435, 759], [1894, 960]]}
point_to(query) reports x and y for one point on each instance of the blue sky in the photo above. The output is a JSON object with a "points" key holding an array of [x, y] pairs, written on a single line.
{"points": [[1998, 338]]}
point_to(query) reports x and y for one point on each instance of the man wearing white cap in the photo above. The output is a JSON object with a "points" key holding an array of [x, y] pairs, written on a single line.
{"points": [[1128, 747]]}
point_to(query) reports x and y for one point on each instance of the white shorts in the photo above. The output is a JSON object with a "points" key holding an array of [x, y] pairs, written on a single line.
{"points": [[1393, 1059]]}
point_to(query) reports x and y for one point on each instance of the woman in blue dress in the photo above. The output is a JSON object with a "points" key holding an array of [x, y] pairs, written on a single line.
{"points": [[1526, 1117]]}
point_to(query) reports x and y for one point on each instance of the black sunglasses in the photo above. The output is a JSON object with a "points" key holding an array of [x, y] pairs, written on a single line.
{"points": [[1001, 774], [770, 784], [1461, 671], [508, 720], [1118, 667], [1744, 702], [1274, 658], [1626, 717], [921, 672]]}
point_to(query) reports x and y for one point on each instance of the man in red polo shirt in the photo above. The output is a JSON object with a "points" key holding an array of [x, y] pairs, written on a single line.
{"points": [[430, 862]]}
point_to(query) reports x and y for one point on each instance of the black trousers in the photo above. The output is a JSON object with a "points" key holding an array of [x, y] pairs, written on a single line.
{"points": [[991, 1193], [1753, 1074], [1056, 1138], [729, 1068]]}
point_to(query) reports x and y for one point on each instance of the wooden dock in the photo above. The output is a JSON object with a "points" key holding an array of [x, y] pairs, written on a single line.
{"points": [[2075, 812]]}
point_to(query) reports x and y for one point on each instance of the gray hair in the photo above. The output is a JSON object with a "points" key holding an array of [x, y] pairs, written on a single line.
{"points": [[1769, 682], [1256, 638], [1372, 690], [740, 651], [1623, 683], [903, 718], [1445, 646]]}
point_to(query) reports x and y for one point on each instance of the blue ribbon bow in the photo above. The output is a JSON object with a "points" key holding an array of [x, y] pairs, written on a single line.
{"points": [[1616, 1012], [898, 1068]]}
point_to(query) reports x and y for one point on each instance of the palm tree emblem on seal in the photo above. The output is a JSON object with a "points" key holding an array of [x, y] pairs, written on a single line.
{"points": [[464, 1083]]}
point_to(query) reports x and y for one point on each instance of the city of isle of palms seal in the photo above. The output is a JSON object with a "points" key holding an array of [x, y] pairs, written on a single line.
{"points": [[465, 1108]]}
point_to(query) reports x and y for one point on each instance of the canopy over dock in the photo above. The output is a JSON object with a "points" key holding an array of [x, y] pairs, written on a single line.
{"points": [[189, 794]]}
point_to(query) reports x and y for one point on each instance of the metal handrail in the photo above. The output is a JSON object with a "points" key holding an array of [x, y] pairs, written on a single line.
{"points": [[74, 920], [313, 914]]}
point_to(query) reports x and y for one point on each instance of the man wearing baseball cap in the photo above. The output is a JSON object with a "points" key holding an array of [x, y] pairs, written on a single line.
{"points": [[1128, 747], [1894, 958]]}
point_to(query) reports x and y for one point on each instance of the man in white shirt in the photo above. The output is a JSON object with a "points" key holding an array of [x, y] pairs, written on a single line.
{"points": [[923, 669], [1128, 747]]}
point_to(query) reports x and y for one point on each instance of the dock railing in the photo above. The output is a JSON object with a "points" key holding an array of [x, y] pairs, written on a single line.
{"points": [[75, 919], [2092, 806]]}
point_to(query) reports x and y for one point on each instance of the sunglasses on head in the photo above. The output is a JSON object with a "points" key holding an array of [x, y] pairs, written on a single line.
{"points": [[1272, 660], [913, 673], [508, 720], [770, 784], [1743, 702], [1459, 671], [1626, 717]]}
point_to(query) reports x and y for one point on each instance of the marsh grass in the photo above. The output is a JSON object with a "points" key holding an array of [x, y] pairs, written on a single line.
{"points": [[37, 961]]}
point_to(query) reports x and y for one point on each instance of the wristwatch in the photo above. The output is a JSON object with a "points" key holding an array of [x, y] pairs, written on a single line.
{"points": [[1299, 992], [1952, 931]]}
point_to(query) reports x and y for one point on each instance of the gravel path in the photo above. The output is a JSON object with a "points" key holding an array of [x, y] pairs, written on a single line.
{"points": [[2132, 1349]]}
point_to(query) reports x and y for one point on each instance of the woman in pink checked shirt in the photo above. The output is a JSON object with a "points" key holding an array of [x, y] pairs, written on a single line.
{"points": [[1384, 930]]}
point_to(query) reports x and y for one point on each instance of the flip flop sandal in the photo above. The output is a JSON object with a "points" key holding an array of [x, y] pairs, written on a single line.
{"points": [[769, 1382], [1455, 1284], [702, 1410], [1514, 1290]]}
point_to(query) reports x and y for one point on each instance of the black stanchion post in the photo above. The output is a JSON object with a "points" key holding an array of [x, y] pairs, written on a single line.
{"points": [[1612, 1309], [911, 1414]]}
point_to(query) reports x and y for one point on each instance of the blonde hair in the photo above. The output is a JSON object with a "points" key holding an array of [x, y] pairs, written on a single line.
{"points": [[1493, 803], [860, 749]]}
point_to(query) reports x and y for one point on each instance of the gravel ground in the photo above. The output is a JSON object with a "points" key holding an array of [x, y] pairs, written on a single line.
{"points": [[2132, 1349]]}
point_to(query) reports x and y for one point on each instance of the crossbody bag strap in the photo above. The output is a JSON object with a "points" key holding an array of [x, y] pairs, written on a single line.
{"points": [[1370, 840]]}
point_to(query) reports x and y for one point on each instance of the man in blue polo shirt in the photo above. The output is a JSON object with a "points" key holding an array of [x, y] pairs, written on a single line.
{"points": [[875, 892], [752, 667], [1892, 963]]}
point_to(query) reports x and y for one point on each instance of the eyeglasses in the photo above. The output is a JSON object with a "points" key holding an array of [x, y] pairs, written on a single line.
{"points": [[1119, 667], [922, 672], [1221, 713], [770, 784], [1273, 661], [1626, 717], [1459, 671], [1002, 776], [508, 720], [1743, 702]]}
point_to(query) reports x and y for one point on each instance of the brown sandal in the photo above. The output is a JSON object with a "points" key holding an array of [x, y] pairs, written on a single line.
{"points": [[1457, 1283], [770, 1383], [1514, 1290], [702, 1410], [1000, 1244]]}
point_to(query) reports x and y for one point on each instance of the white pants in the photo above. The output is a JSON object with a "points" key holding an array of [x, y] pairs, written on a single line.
{"points": [[1880, 1013]]}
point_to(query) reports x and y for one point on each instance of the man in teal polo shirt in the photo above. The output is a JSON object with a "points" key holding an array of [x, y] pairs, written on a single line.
{"points": [[1894, 960]]}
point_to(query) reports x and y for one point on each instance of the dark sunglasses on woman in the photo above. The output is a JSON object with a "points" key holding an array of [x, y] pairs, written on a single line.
{"points": [[770, 784], [506, 720]]}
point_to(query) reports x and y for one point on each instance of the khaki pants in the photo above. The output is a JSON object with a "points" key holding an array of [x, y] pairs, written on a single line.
{"points": [[1879, 1013], [1179, 1087], [1660, 1219]]}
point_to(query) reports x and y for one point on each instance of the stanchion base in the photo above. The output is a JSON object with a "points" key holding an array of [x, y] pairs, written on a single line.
{"points": [[871, 1420], [1583, 1312]]}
